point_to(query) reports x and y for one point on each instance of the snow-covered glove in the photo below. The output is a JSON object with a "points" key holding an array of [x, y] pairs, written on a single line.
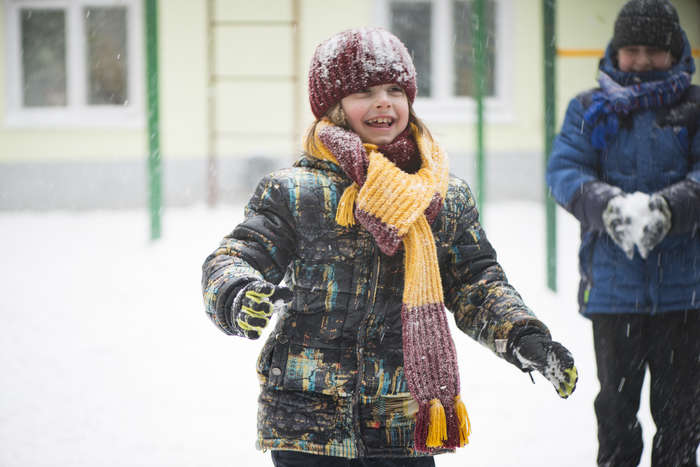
{"points": [[254, 304], [539, 352], [656, 226], [617, 220]]}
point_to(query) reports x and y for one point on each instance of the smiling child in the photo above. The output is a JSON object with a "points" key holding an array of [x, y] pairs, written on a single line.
{"points": [[374, 241]]}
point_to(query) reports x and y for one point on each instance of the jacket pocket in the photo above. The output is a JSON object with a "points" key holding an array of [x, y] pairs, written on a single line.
{"points": [[317, 370], [272, 361], [264, 360], [301, 418], [391, 418]]}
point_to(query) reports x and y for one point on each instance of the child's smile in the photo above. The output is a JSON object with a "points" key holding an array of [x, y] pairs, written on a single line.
{"points": [[381, 122]]}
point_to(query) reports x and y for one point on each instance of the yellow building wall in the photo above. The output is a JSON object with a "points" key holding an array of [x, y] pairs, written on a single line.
{"points": [[259, 116], [183, 78]]}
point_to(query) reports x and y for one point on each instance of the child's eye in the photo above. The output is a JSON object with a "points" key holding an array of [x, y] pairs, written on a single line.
{"points": [[398, 89], [655, 52]]}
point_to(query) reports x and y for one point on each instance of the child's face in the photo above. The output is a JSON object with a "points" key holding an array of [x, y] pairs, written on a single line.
{"points": [[377, 114], [636, 58]]}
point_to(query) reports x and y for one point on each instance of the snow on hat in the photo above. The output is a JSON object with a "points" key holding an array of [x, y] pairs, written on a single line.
{"points": [[652, 23], [356, 59]]}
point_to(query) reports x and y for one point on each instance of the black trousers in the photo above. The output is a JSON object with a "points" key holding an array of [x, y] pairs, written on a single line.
{"points": [[669, 345], [301, 459]]}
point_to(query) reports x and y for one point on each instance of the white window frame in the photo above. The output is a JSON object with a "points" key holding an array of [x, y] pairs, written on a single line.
{"points": [[442, 107], [77, 113]]}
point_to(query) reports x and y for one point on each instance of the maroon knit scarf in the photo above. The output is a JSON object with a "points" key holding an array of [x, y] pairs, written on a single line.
{"points": [[403, 152]]}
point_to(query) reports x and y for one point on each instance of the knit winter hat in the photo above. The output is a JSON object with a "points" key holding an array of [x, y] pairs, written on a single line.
{"points": [[356, 59], [652, 23]]}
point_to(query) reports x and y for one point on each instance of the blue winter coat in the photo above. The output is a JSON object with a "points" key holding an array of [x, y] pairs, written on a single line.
{"points": [[654, 151]]}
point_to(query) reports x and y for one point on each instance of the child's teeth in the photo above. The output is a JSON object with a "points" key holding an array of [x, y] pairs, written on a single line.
{"points": [[380, 120]]}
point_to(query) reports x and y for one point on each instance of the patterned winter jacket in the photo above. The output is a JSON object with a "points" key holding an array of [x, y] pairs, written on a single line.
{"points": [[655, 151], [331, 372]]}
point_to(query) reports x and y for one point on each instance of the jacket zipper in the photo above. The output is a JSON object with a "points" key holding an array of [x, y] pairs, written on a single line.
{"points": [[362, 451]]}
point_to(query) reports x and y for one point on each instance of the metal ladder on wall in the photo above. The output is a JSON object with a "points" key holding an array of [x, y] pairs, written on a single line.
{"points": [[214, 78]]}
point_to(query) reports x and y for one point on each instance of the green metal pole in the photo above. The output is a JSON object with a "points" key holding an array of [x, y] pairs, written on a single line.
{"points": [[154, 165], [550, 49], [479, 38]]}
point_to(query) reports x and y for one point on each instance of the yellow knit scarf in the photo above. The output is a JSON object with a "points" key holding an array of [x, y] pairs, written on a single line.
{"points": [[392, 205]]}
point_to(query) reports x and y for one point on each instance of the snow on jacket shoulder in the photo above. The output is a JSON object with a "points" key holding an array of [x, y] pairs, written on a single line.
{"points": [[331, 371], [654, 151]]}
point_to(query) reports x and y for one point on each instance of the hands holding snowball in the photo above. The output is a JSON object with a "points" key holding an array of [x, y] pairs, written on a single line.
{"points": [[637, 219]]}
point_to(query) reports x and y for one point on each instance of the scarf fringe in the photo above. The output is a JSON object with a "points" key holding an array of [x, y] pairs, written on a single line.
{"points": [[345, 215], [465, 426], [438, 427]]}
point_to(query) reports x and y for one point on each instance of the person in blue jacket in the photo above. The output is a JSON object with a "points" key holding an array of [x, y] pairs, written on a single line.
{"points": [[626, 164]]}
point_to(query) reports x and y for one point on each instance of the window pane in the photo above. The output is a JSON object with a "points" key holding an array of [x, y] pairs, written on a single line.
{"points": [[107, 64], [410, 21], [43, 35], [463, 51]]}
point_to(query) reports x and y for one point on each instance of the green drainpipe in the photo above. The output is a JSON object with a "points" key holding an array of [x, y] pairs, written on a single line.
{"points": [[479, 38], [550, 48], [154, 165]]}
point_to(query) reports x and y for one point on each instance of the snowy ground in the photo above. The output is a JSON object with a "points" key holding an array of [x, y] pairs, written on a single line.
{"points": [[107, 357]]}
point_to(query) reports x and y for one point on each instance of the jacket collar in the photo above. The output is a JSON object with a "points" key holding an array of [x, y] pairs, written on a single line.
{"points": [[311, 162]]}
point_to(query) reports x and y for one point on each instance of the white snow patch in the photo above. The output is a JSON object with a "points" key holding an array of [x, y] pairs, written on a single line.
{"points": [[636, 206], [107, 357]]}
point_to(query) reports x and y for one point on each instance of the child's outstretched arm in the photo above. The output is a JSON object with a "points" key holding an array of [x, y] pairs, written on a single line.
{"points": [[489, 309], [239, 277]]}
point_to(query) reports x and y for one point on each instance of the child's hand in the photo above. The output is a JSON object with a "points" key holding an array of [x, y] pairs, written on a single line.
{"points": [[637, 219], [618, 224], [254, 305], [657, 226], [538, 352]]}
